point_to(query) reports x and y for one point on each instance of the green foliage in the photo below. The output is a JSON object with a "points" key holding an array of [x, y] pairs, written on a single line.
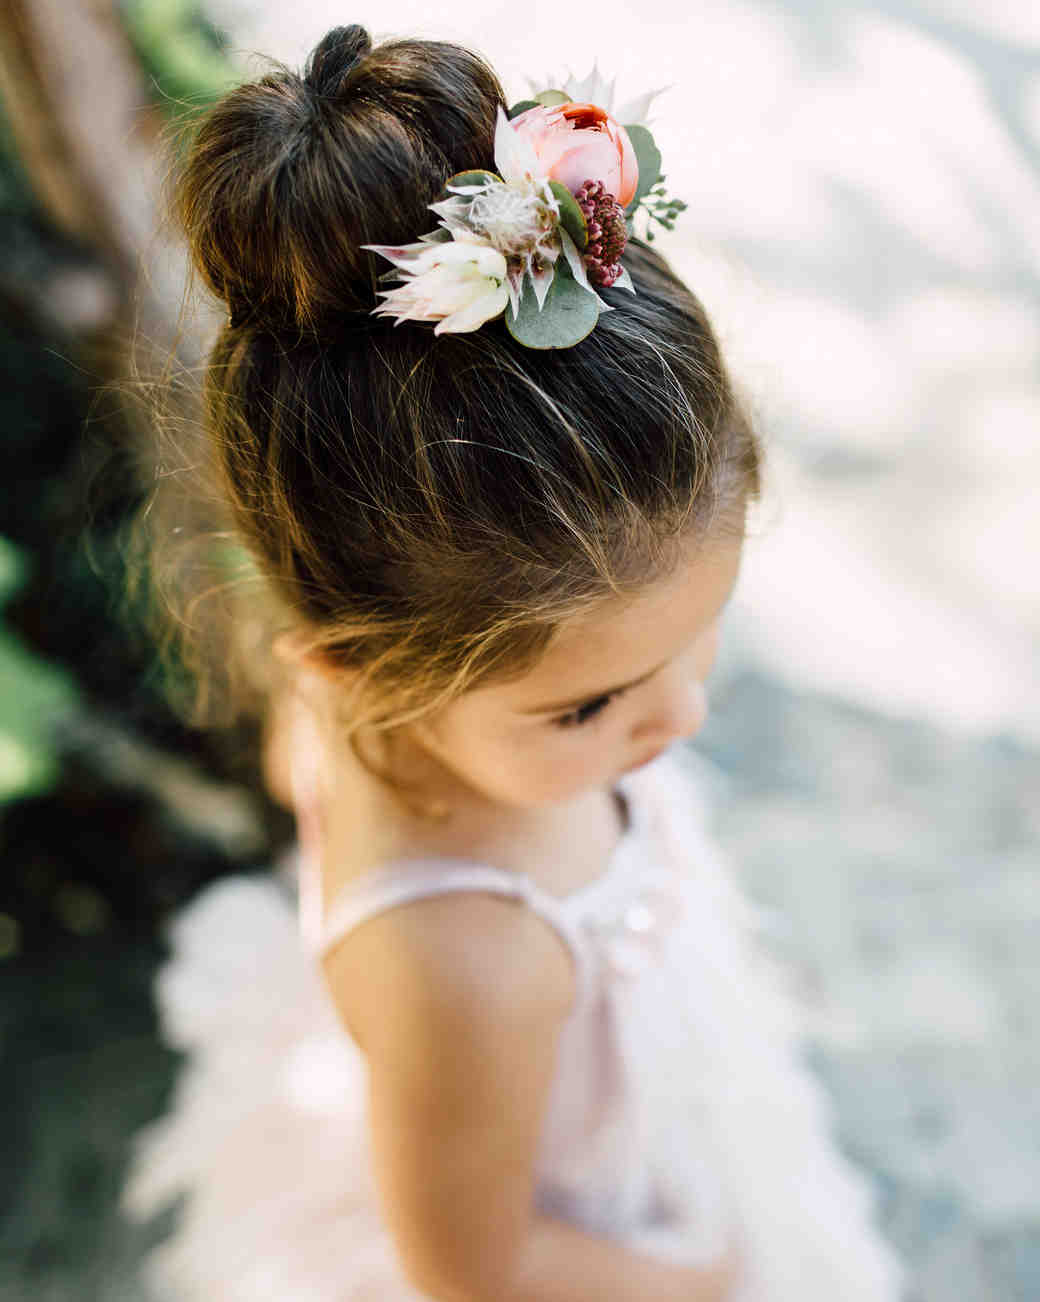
{"points": [[572, 219], [185, 55], [661, 209], [12, 571], [33, 696], [648, 156], [650, 192], [475, 177], [521, 107], [566, 317], [16, 195]]}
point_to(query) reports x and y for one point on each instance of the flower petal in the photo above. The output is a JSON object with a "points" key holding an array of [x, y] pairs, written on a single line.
{"points": [[405, 308], [633, 112], [473, 248], [549, 247], [401, 255], [592, 156], [466, 235], [625, 280], [577, 267], [592, 90], [453, 208], [541, 280], [473, 315], [490, 262], [548, 132], [515, 157], [515, 286], [453, 213], [629, 182]]}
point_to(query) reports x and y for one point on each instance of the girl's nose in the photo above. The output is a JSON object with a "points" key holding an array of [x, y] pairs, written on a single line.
{"points": [[680, 712], [690, 710]]}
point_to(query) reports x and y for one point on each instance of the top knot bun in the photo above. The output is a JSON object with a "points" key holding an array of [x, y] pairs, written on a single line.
{"points": [[287, 176], [334, 58]]}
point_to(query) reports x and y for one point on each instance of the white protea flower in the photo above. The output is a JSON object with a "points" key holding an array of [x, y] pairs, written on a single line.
{"points": [[460, 284], [516, 212], [516, 219], [595, 89]]}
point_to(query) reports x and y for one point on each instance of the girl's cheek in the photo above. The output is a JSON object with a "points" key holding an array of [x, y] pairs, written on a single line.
{"points": [[698, 708], [707, 651]]}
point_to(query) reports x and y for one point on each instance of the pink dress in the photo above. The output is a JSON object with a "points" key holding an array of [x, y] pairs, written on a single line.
{"points": [[680, 1106]]}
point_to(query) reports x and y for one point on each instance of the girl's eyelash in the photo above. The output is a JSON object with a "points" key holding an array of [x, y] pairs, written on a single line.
{"points": [[575, 718]]}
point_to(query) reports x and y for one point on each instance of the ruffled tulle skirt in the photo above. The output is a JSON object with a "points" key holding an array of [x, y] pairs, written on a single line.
{"points": [[266, 1136], [265, 1131]]}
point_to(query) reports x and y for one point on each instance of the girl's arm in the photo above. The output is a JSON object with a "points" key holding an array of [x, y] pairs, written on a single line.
{"points": [[565, 1264], [457, 1002]]}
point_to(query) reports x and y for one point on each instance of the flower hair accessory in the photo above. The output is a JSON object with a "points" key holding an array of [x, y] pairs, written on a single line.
{"points": [[533, 241]]}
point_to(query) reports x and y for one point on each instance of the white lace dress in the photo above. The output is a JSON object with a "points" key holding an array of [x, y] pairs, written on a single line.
{"points": [[680, 1105]]}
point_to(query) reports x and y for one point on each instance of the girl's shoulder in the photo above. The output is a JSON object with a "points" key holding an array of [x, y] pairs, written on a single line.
{"points": [[444, 965]]}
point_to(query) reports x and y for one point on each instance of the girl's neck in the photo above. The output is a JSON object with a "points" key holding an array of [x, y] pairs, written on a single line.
{"points": [[365, 824]]}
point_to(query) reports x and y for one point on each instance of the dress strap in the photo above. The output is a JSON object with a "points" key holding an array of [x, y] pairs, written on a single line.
{"points": [[402, 881]]}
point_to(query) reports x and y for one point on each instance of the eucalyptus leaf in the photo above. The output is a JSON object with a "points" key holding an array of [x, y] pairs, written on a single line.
{"points": [[572, 219], [648, 156], [467, 178], [550, 98], [522, 107], [567, 316]]}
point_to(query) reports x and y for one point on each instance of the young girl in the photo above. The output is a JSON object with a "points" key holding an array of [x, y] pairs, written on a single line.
{"points": [[526, 1050]]}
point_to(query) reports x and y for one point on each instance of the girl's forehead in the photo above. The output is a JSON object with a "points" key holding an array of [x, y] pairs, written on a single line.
{"points": [[626, 638], [699, 579]]}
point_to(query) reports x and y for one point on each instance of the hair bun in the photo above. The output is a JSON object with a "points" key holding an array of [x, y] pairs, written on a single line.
{"points": [[287, 177], [334, 58]]}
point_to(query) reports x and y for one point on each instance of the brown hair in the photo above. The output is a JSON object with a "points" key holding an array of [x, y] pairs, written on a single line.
{"points": [[428, 508]]}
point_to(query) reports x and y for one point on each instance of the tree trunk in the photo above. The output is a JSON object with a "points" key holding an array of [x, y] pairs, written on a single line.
{"points": [[91, 145]]}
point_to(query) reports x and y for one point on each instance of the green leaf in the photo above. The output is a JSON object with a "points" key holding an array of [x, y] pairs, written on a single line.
{"points": [[188, 60], [521, 107], [550, 98], [572, 219], [648, 156], [34, 696], [469, 178], [12, 570], [567, 316]]}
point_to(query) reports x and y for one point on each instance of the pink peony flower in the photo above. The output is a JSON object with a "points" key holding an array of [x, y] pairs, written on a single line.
{"points": [[576, 143]]}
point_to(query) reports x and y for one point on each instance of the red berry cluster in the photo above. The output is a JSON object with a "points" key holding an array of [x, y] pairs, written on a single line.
{"points": [[608, 235]]}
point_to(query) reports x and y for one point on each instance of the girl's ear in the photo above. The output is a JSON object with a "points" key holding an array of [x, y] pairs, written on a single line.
{"points": [[301, 715], [291, 649], [310, 674]]}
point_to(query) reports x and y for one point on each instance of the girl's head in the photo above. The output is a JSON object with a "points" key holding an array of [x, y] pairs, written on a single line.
{"points": [[458, 528]]}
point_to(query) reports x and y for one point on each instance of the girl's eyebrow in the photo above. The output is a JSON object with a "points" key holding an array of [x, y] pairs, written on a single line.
{"points": [[594, 696]]}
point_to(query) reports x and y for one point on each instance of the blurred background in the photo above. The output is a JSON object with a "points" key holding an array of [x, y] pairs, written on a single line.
{"points": [[863, 182]]}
